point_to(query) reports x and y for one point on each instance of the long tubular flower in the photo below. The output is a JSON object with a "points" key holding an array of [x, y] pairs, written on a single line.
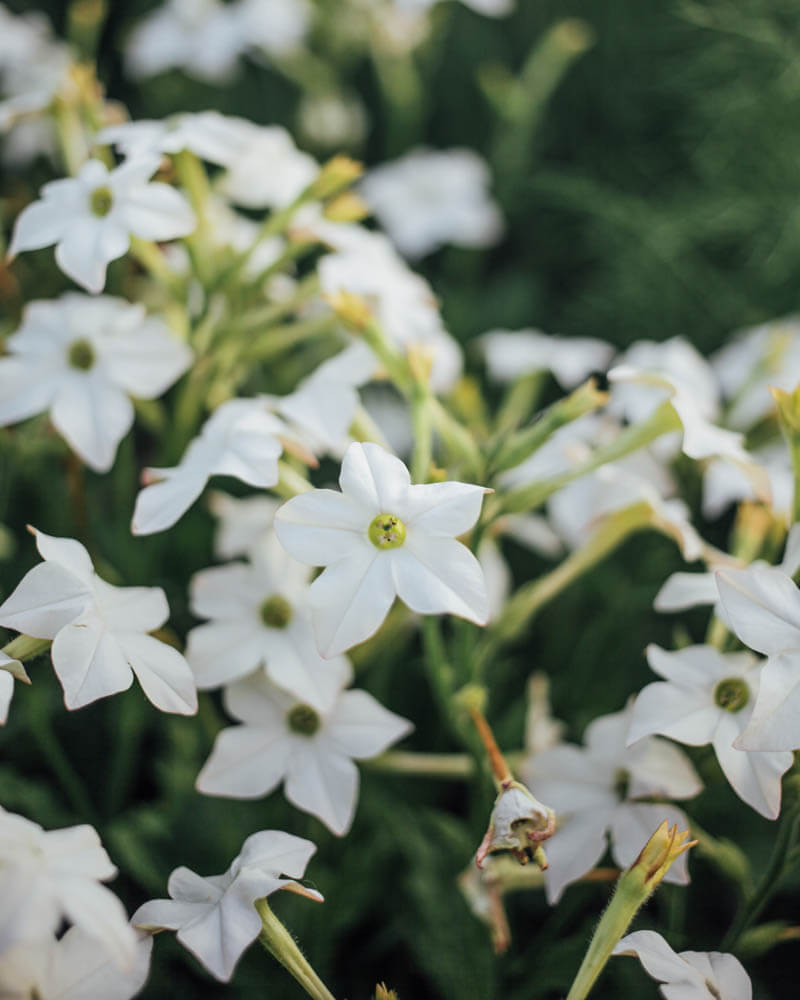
{"points": [[100, 632], [92, 217], [382, 538]]}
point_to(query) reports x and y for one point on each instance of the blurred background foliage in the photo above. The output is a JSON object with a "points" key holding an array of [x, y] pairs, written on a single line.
{"points": [[647, 160]]}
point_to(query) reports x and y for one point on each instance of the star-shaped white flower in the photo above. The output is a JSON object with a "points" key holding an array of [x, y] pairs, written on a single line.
{"points": [[708, 697], [91, 217], [49, 875], [82, 358], [512, 353], [214, 915], [595, 792], [261, 619], [687, 975], [283, 739], [762, 606], [241, 439], [380, 538], [99, 631]]}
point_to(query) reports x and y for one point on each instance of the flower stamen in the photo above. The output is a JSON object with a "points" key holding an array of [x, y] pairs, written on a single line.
{"points": [[387, 532]]}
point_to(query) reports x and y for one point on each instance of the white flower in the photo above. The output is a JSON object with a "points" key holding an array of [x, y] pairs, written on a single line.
{"points": [[764, 356], [379, 538], [595, 790], [261, 619], [510, 354], [431, 197], [47, 876], [82, 358], [725, 483], [762, 606], [283, 739], [92, 216], [247, 183], [243, 524], [210, 135], [214, 915], [274, 27], [709, 697], [80, 970], [99, 632], [7, 665], [240, 439], [688, 975]]}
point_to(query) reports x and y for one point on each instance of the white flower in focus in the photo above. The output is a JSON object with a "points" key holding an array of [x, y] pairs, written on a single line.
{"points": [[91, 217], [687, 975], [283, 739], [708, 697], [260, 619], [380, 538], [595, 792], [762, 606], [202, 37], [100, 632], [241, 439], [753, 361], [82, 359], [215, 916], [47, 876], [510, 354], [428, 198]]}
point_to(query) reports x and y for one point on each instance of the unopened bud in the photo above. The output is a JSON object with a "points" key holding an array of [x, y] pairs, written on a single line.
{"points": [[346, 207], [335, 175]]}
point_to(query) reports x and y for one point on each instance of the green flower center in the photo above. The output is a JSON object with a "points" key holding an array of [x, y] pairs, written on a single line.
{"points": [[101, 200], [732, 694], [276, 612], [622, 783], [387, 532], [81, 355], [303, 719]]}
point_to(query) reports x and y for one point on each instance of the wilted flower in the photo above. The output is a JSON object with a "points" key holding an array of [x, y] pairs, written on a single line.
{"points": [[519, 823]]}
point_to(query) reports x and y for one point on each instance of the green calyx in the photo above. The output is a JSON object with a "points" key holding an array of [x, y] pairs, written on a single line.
{"points": [[276, 612], [101, 200], [387, 532], [732, 694], [81, 355], [303, 719]]}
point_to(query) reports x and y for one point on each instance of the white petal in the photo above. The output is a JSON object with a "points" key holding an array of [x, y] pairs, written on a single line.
{"points": [[570, 780], [374, 478], [634, 823], [294, 664], [324, 783], [754, 776], [77, 851], [277, 853], [775, 723], [686, 590], [251, 451], [98, 912], [87, 248], [687, 715], [660, 768], [25, 389], [159, 506], [46, 599], [435, 575], [790, 563], [763, 606], [79, 970], [321, 527], [350, 600], [258, 702], [163, 673], [729, 976], [38, 225], [221, 652], [695, 666], [94, 416], [157, 212], [89, 662], [147, 363], [447, 509], [6, 691], [658, 959], [247, 762], [222, 934], [67, 552], [131, 609], [574, 849], [361, 727]]}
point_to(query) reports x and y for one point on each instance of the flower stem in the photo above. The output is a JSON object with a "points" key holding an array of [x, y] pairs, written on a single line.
{"points": [[280, 943], [426, 765]]}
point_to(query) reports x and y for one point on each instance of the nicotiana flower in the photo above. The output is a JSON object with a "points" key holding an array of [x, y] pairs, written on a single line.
{"points": [[47, 876], [82, 358], [762, 606], [596, 791], [512, 353], [210, 135], [687, 975], [246, 183], [214, 915], [283, 739], [242, 438], [380, 538], [725, 484], [708, 697], [243, 524], [260, 619], [431, 197], [99, 631], [91, 217]]}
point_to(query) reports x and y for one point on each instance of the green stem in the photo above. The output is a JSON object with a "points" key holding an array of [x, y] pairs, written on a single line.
{"points": [[519, 402], [41, 728], [422, 425], [455, 766], [155, 263], [280, 943]]}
